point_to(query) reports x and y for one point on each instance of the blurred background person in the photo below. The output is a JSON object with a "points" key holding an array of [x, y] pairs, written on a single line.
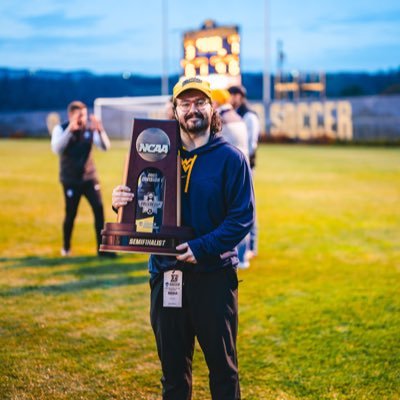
{"points": [[234, 131], [73, 141], [239, 102], [169, 109], [52, 120]]}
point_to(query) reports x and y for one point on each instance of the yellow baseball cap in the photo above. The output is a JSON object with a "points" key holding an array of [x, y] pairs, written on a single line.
{"points": [[220, 96], [191, 83]]}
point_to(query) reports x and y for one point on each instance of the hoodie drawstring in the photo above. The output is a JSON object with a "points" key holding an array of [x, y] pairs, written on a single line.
{"points": [[187, 166]]}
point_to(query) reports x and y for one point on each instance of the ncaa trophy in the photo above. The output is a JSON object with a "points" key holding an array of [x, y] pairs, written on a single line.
{"points": [[151, 222]]}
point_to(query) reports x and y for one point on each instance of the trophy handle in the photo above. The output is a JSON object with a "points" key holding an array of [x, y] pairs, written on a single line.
{"points": [[125, 181]]}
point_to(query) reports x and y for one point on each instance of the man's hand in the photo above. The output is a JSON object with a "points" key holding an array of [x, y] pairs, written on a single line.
{"points": [[74, 123], [95, 123], [121, 195], [187, 256]]}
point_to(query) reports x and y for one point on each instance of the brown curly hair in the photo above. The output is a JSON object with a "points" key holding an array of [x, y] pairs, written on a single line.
{"points": [[216, 124]]}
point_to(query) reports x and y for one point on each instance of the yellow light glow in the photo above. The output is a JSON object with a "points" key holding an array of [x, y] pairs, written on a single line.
{"points": [[220, 67], [190, 52], [235, 46], [222, 52], [190, 71], [286, 87], [199, 61], [209, 44], [234, 68], [203, 69], [214, 60], [233, 38]]}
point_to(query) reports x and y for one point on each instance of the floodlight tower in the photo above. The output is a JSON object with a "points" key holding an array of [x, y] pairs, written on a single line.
{"points": [[164, 45], [267, 74], [286, 85]]}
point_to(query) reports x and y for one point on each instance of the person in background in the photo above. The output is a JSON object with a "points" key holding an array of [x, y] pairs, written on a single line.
{"points": [[73, 141], [240, 104], [234, 131], [52, 120], [169, 109], [218, 203]]}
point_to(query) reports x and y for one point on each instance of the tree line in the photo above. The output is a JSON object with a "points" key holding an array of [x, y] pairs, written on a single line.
{"points": [[26, 90]]}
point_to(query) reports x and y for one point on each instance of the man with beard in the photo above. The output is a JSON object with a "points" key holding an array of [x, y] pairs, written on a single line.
{"points": [[218, 203]]}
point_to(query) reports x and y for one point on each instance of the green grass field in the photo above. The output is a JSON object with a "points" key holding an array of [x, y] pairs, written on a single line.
{"points": [[319, 307]]}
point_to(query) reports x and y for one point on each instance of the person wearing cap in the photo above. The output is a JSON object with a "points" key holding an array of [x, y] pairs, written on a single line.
{"points": [[218, 203], [234, 131], [240, 104]]}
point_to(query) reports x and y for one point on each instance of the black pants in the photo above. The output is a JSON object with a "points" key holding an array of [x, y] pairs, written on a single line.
{"points": [[210, 313], [72, 196]]}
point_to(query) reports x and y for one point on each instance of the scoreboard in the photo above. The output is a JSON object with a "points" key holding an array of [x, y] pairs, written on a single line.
{"points": [[213, 52]]}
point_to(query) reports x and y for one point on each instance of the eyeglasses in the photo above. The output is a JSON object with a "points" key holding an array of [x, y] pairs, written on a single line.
{"points": [[200, 104]]}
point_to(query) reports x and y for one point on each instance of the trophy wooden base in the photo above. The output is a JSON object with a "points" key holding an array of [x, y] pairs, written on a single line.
{"points": [[121, 237]]}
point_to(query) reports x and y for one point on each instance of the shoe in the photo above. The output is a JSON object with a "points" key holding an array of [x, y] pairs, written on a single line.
{"points": [[244, 265], [249, 255], [65, 253]]}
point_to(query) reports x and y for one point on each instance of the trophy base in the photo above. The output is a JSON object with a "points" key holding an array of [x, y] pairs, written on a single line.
{"points": [[120, 237]]}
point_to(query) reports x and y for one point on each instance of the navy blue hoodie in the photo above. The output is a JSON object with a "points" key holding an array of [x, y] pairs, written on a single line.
{"points": [[217, 202]]}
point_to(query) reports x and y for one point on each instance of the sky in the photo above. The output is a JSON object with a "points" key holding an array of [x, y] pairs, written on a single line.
{"points": [[123, 36]]}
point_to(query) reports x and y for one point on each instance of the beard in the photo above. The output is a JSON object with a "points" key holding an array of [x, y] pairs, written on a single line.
{"points": [[194, 123]]}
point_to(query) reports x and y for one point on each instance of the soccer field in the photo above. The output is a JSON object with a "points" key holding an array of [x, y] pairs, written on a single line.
{"points": [[319, 306]]}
